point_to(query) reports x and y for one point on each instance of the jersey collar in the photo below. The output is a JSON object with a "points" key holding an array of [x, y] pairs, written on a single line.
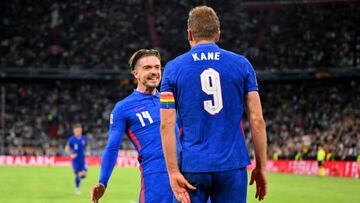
{"points": [[202, 46], [157, 94]]}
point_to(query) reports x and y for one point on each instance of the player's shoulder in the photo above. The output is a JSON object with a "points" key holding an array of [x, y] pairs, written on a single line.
{"points": [[124, 103], [232, 56], [183, 58], [70, 139], [120, 105], [85, 138], [237, 61]]}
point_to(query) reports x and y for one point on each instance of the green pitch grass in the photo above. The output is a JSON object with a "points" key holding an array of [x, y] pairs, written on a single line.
{"points": [[56, 185]]}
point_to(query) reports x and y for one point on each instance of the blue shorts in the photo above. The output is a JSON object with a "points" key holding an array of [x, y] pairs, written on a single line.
{"points": [[79, 166], [221, 186], [155, 188]]}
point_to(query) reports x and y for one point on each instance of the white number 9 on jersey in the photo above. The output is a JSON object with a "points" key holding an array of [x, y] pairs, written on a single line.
{"points": [[210, 84]]}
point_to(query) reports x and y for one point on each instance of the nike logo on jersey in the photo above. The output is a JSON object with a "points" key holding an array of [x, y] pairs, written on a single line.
{"points": [[206, 56]]}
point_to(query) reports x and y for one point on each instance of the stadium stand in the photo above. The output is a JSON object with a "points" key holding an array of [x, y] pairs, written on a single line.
{"points": [[71, 34], [299, 116], [100, 34], [39, 115]]}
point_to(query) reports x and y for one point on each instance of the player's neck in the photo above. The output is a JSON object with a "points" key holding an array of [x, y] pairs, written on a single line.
{"points": [[194, 43], [146, 90]]}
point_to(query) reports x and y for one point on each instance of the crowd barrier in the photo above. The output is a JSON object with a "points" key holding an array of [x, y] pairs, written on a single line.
{"points": [[60, 161], [332, 168]]}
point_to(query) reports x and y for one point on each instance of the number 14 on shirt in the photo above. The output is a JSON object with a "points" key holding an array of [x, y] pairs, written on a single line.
{"points": [[144, 115]]}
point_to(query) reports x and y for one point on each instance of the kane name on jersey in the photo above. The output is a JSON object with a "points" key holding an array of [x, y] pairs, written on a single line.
{"points": [[206, 56]]}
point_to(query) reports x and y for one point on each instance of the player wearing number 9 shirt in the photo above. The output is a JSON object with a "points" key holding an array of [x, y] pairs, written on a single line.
{"points": [[138, 115], [209, 88]]}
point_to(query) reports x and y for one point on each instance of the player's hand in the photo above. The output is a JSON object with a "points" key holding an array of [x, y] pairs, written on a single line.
{"points": [[73, 156], [259, 177], [97, 192], [180, 186]]}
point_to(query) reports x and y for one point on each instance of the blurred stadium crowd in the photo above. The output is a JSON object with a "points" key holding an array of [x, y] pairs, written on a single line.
{"points": [[299, 116], [303, 116], [101, 34], [39, 116]]}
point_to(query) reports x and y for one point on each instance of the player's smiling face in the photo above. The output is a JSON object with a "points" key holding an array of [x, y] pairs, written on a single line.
{"points": [[148, 73]]}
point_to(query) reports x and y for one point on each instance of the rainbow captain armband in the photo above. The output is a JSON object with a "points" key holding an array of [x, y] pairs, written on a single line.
{"points": [[167, 100]]}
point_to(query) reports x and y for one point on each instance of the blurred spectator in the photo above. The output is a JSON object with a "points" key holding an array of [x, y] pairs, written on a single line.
{"points": [[40, 115], [274, 38], [300, 115], [99, 34], [71, 34]]}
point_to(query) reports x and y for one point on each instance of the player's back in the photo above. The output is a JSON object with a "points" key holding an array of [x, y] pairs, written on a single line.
{"points": [[209, 85]]}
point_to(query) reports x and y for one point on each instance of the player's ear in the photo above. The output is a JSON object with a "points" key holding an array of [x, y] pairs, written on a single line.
{"points": [[217, 37], [135, 73], [190, 36]]}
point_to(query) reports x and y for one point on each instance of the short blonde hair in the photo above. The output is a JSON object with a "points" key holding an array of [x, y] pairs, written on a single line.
{"points": [[77, 125], [203, 22]]}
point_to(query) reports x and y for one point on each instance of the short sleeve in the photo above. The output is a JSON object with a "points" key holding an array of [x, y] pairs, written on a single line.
{"points": [[250, 78], [167, 98], [167, 83]]}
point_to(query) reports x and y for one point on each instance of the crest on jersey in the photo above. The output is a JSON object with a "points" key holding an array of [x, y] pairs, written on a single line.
{"points": [[111, 118]]}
